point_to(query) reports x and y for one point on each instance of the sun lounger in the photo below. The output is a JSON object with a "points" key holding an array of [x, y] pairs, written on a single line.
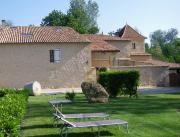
{"points": [[79, 115], [90, 124]]}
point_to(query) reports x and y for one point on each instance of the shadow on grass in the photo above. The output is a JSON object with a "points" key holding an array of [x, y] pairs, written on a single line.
{"points": [[142, 105], [145, 104], [82, 134], [38, 126]]}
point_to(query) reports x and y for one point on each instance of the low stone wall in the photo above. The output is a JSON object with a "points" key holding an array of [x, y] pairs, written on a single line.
{"points": [[141, 57], [149, 75]]}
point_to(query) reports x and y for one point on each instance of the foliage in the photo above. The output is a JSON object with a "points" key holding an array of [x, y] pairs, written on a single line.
{"points": [[115, 33], [81, 16], [55, 18], [70, 95], [12, 109], [120, 82], [102, 69], [164, 45], [6, 23]]}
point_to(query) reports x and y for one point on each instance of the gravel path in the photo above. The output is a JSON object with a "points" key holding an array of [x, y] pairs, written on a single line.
{"points": [[156, 90]]}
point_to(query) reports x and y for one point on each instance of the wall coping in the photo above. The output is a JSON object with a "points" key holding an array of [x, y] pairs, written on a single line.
{"points": [[140, 66]]}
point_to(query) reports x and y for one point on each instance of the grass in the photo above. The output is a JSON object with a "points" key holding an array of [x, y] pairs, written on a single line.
{"points": [[156, 115]]}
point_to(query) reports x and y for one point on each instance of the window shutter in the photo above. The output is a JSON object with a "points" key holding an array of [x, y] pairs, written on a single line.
{"points": [[57, 55], [51, 55]]}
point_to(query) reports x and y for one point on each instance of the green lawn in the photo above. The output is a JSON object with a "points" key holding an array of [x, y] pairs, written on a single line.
{"points": [[148, 116]]}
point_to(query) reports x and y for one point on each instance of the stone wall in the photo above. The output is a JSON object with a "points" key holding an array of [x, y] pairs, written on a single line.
{"points": [[91, 75], [150, 75], [103, 59], [21, 63], [126, 48], [145, 57]]}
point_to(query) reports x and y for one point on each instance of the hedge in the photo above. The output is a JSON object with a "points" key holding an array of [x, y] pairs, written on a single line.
{"points": [[12, 109], [120, 82]]}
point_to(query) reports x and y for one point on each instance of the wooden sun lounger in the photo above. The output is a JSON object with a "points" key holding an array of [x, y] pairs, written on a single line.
{"points": [[68, 125]]}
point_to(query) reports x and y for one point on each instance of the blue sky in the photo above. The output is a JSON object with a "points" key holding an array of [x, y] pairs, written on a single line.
{"points": [[146, 15]]}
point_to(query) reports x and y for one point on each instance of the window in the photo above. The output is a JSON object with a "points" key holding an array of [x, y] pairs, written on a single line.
{"points": [[55, 56], [134, 45]]}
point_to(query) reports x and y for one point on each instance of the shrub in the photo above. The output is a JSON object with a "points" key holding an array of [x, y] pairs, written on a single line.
{"points": [[120, 82], [102, 69], [70, 95], [12, 110]]}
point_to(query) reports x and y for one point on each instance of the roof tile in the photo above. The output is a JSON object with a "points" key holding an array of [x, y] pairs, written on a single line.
{"points": [[128, 32], [29, 34], [103, 46]]}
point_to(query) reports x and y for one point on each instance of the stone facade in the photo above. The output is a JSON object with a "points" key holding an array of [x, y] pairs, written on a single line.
{"points": [[21, 63], [103, 59]]}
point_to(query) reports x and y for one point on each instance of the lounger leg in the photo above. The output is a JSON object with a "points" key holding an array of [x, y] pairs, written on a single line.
{"points": [[127, 128], [119, 127], [91, 129], [64, 132], [55, 122], [98, 131]]}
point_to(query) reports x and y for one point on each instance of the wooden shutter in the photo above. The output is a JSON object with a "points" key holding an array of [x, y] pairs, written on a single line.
{"points": [[51, 55], [57, 55]]}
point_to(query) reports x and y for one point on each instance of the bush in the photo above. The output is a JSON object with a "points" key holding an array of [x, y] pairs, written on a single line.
{"points": [[70, 95], [120, 82], [102, 69], [12, 110]]}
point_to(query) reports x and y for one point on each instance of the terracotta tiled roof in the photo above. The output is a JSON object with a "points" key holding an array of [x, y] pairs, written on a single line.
{"points": [[93, 37], [99, 42], [171, 65], [128, 32], [103, 46], [29, 34]]}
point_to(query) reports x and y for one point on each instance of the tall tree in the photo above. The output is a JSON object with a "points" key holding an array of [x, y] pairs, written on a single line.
{"points": [[55, 18], [171, 35], [157, 38], [81, 16], [164, 45]]}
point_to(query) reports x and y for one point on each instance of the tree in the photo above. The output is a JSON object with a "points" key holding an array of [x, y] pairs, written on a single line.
{"points": [[147, 47], [171, 35], [6, 23], [81, 16], [92, 10], [157, 37], [165, 45], [55, 18], [115, 33], [163, 37]]}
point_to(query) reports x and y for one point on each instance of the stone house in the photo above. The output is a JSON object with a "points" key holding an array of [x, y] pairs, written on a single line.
{"points": [[127, 52], [54, 56], [60, 57]]}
